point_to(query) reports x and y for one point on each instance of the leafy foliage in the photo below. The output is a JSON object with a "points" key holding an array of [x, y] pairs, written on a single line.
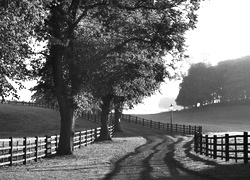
{"points": [[18, 21], [228, 82]]}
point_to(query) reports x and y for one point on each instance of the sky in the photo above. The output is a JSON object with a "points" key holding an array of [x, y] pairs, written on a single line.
{"points": [[222, 33]]}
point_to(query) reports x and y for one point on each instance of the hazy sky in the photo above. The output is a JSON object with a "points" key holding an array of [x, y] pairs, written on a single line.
{"points": [[222, 33]]}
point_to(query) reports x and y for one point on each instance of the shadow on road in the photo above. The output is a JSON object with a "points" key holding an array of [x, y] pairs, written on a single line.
{"points": [[153, 160]]}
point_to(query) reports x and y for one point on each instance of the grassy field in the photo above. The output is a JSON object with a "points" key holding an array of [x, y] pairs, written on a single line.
{"points": [[212, 118], [20, 121]]}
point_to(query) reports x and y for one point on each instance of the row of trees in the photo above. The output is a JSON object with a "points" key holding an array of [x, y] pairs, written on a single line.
{"points": [[103, 54], [227, 82]]}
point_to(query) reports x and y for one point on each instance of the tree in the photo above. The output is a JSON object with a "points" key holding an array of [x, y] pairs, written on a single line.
{"points": [[6, 89], [125, 80], [227, 82], [158, 26], [195, 87], [18, 20]]}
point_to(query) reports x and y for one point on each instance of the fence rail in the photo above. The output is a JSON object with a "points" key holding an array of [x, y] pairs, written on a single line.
{"points": [[168, 127], [226, 147], [53, 106], [22, 150]]}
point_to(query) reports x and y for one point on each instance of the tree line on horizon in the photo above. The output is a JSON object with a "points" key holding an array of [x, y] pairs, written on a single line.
{"points": [[226, 83]]}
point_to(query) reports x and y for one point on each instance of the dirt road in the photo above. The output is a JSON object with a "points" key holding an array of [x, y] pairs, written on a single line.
{"points": [[153, 160]]}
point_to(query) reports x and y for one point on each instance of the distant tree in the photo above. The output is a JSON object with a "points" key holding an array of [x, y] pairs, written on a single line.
{"points": [[195, 87], [236, 75], [227, 82]]}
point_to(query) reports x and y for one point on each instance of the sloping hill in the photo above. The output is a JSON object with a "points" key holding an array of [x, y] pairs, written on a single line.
{"points": [[212, 118], [20, 121]]}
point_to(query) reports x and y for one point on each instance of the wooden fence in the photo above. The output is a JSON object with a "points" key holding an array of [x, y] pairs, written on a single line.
{"points": [[235, 147], [168, 127], [53, 106], [21, 150], [97, 117]]}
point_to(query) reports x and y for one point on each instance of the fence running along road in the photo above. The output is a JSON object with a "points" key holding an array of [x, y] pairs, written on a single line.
{"points": [[171, 128], [235, 147], [168, 127], [21, 150]]}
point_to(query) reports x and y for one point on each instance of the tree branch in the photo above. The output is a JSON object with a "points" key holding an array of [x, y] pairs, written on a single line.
{"points": [[87, 7]]}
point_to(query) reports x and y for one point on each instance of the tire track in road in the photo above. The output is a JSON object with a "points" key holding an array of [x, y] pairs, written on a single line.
{"points": [[151, 161]]}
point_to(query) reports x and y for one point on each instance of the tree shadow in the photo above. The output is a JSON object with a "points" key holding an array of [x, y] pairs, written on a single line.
{"points": [[146, 173], [118, 164], [145, 168]]}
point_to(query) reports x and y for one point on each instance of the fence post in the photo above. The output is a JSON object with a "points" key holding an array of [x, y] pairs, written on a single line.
{"points": [[184, 129], [136, 120], [201, 145], [36, 148], [46, 145], [151, 124], [167, 127], [95, 133], [206, 145], [25, 150], [80, 139], [189, 129], [57, 142], [245, 147], [200, 129], [86, 138], [227, 147], [215, 147], [11, 151], [142, 121], [196, 142], [92, 135], [176, 126]]}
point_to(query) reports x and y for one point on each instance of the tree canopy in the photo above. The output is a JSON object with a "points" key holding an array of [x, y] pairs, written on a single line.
{"points": [[227, 82], [18, 22], [87, 39]]}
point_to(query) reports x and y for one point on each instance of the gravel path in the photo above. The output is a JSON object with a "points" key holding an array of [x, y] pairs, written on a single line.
{"points": [[137, 153]]}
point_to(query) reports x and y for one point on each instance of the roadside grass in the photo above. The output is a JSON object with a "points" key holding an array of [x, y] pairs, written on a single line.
{"points": [[21, 121], [211, 118]]}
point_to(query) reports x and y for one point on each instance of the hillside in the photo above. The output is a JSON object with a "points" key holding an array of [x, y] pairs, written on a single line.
{"points": [[20, 121], [212, 118]]}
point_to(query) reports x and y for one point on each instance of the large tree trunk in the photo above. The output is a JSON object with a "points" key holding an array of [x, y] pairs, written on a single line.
{"points": [[117, 124], [119, 103], [66, 142], [104, 134], [66, 106]]}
